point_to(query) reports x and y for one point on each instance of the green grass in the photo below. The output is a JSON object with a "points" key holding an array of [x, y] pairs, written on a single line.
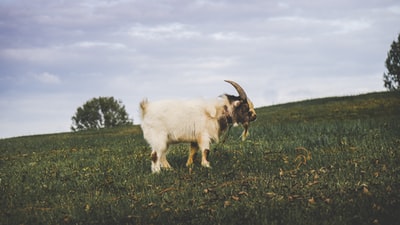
{"points": [[323, 161]]}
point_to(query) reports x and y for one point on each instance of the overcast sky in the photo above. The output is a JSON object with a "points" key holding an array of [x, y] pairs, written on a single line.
{"points": [[56, 55]]}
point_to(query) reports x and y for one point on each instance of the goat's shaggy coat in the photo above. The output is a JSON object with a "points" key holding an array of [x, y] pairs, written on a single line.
{"points": [[197, 122]]}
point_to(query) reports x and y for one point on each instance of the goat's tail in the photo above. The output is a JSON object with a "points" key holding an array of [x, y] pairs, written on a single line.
{"points": [[143, 107]]}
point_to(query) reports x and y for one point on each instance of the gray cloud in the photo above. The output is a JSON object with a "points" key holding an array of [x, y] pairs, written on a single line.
{"points": [[55, 55]]}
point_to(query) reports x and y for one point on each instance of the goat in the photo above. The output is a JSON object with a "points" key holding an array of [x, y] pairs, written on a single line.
{"points": [[197, 122]]}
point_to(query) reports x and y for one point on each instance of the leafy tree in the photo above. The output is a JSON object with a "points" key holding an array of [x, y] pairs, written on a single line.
{"points": [[102, 112], [391, 79]]}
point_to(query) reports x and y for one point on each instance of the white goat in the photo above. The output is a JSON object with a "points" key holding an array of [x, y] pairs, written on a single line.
{"points": [[195, 121]]}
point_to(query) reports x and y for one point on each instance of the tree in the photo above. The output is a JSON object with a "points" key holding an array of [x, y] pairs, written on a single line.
{"points": [[102, 112], [391, 79]]}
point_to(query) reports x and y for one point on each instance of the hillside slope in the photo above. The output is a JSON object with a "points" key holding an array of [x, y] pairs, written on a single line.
{"points": [[372, 105], [333, 158], [380, 104]]}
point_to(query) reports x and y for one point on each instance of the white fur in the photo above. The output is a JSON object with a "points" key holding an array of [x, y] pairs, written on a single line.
{"points": [[174, 121]]}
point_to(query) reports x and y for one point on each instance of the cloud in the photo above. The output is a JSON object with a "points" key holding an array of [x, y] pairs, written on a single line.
{"points": [[47, 78], [394, 9], [163, 31], [310, 27], [229, 36], [180, 31], [30, 54], [99, 44]]}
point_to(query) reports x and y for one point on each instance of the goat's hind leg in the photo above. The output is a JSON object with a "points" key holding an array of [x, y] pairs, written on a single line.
{"points": [[194, 147]]}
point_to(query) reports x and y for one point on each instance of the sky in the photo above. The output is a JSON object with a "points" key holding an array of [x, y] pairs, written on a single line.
{"points": [[57, 54]]}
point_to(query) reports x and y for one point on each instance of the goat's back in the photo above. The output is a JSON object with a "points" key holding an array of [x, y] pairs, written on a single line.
{"points": [[180, 120]]}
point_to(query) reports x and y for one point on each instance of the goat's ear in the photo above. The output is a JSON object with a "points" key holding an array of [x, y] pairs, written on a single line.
{"points": [[237, 103]]}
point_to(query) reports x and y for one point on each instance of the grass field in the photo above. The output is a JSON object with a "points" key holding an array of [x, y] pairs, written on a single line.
{"points": [[324, 161]]}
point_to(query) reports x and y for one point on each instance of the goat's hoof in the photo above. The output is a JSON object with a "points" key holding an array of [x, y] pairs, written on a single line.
{"points": [[206, 164], [156, 171]]}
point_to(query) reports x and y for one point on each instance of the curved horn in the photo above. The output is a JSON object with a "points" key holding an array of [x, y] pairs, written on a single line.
{"points": [[242, 93]]}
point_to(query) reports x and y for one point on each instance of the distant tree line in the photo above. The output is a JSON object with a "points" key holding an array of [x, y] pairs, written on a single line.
{"points": [[101, 112]]}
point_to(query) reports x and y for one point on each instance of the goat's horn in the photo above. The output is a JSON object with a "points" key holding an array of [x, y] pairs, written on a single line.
{"points": [[242, 93]]}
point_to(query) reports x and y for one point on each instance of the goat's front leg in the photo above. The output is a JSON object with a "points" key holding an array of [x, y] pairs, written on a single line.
{"points": [[204, 161], [158, 157], [155, 162], [164, 161]]}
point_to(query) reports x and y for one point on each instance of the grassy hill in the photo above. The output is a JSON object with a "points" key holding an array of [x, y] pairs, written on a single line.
{"points": [[373, 105], [303, 163]]}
